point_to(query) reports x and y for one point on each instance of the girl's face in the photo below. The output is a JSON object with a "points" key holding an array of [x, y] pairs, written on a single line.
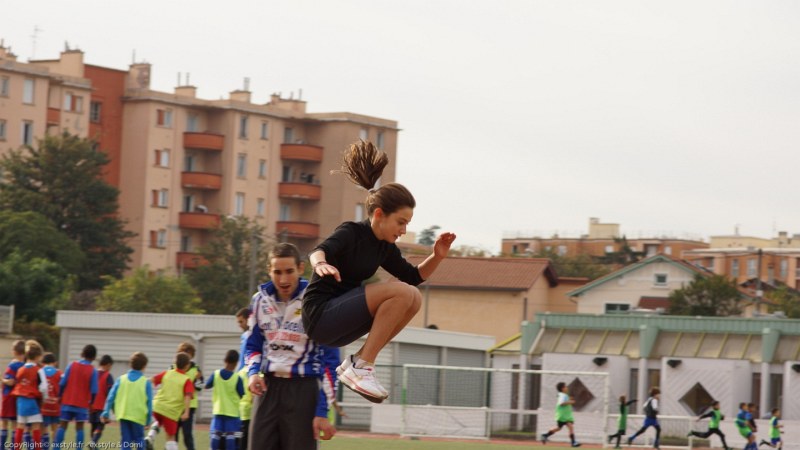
{"points": [[389, 227]]}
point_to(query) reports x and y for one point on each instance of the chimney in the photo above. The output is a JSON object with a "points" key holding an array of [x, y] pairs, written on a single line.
{"points": [[138, 76], [186, 91], [240, 96], [71, 63]]}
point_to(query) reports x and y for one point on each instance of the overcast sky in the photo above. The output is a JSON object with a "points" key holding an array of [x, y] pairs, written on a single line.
{"points": [[679, 117]]}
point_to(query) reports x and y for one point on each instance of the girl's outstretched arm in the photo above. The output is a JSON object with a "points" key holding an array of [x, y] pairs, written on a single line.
{"points": [[440, 249]]}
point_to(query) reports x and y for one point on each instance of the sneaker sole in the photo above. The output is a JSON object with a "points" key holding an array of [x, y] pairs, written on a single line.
{"points": [[350, 384]]}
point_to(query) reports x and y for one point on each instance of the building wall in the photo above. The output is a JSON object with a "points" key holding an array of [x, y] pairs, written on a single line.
{"points": [[108, 87], [727, 380], [597, 247], [723, 262], [630, 287]]}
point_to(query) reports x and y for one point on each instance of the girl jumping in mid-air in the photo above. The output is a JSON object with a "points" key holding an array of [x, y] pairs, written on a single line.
{"points": [[337, 308]]}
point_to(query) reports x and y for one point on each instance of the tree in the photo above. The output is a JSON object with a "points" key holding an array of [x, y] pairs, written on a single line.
{"points": [[224, 283], [34, 236], [30, 284], [785, 300], [428, 235], [624, 256], [146, 292], [713, 295], [61, 180], [468, 250], [582, 266]]}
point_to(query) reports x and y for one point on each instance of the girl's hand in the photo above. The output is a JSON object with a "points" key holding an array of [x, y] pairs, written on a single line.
{"points": [[324, 269], [442, 245]]}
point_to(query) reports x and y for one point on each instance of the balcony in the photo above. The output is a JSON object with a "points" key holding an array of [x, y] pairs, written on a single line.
{"points": [[300, 191], [53, 116], [198, 220], [201, 180], [188, 260], [298, 230], [204, 141], [301, 152]]}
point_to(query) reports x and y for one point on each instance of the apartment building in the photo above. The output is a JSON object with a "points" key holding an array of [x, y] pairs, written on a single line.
{"points": [[182, 162], [601, 240], [772, 265]]}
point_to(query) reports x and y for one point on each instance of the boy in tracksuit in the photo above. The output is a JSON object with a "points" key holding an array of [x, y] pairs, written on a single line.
{"points": [[651, 417], [228, 389], [172, 401], [78, 388], [51, 404], [104, 383], [714, 416], [131, 401]]}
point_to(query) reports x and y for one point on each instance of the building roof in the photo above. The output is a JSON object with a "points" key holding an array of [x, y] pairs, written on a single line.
{"points": [[681, 264], [510, 274]]}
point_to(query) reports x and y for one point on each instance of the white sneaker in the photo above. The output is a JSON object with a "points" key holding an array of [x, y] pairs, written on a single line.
{"points": [[345, 364], [364, 382]]}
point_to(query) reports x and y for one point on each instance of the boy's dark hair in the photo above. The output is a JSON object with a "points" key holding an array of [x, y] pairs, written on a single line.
{"points": [[182, 360], [187, 347], [654, 391], [18, 347], [231, 357], [138, 361], [715, 403], [32, 350], [285, 250], [775, 410], [622, 398], [48, 358], [89, 352], [243, 312], [560, 386], [742, 405], [106, 360]]}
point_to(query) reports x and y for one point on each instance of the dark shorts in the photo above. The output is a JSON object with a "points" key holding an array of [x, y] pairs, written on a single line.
{"points": [[226, 424], [283, 417], [561, 424], [775, 441], [70, 413], [650, 422], [343, 319], [94, 416]]}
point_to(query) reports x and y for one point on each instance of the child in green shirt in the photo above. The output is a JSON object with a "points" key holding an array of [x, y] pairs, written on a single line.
{"points": [[563, 415]]}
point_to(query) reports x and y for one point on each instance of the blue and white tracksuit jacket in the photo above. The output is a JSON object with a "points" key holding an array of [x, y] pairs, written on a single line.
{"points": [[278, 343]]}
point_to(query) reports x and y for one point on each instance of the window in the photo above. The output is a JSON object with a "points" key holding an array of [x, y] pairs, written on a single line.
{"points": [[4, 83], [617, 308], [164, 118], [581, 394], [188, 203], [660, 279], [243, 127], [186, 243], [241, 166], [188, 163], [667, 250], [73, 103], [751, 267], [260, 207], [262, 168], [158, 238], [162, 158], [784, 262], [95, 108], [287, 175], [27, 132], [359, 216], [696, 400], [288, 135], [562, 250], [239, 207], [27, 91], [265, 130], [160, 197], [285, 213], [735, 268], [609, 249], [379, 140], [192, 123], [2, 130], [363, 134]]}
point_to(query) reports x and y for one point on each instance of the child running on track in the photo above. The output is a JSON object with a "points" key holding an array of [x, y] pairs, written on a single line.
{"points": [[337, 309], [622, 422], [714, 416]]}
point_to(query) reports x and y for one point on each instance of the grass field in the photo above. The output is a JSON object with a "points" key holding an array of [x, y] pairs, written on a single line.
{"points": [[343, 441]]}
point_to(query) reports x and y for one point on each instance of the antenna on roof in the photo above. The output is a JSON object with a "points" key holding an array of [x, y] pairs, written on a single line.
{"points": [[300, 94], [133, 57], [34, 38], [187, 79], [179, 78], [247, 84]]}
